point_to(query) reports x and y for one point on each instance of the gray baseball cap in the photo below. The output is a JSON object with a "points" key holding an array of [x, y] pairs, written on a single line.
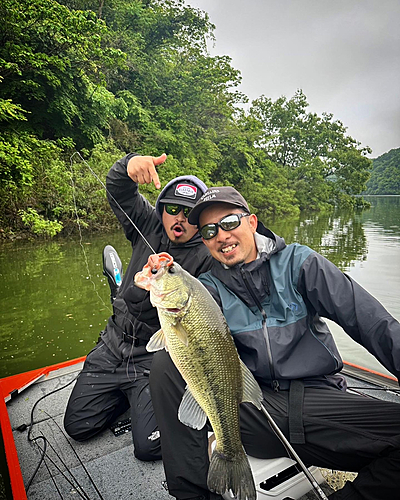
{"points": [[223, 194]]}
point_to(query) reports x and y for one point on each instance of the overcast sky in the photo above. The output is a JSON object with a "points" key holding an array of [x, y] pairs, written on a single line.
{"points": [[343, 54]]}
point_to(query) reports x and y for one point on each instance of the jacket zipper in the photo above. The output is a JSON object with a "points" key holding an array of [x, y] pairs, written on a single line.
{"points": [[274, 381]]}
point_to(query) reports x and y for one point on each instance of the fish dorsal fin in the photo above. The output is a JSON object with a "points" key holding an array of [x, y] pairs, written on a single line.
{"points": [[251, 390], [157, 342], [181, 333], [190, 412]]}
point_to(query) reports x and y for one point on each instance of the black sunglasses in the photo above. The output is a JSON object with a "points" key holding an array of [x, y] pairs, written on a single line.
{"points": [[175, 209], [227, 223]]}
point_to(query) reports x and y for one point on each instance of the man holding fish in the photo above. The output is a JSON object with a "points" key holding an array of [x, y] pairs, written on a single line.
{"points": [[273, 297], [115, 375]]}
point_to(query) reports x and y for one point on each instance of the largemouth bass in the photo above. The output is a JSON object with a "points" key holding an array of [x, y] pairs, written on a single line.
{"points": [[195, 333]]}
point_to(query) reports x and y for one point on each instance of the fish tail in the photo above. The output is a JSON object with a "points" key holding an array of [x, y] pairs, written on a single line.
{"points": [[232, 474]]}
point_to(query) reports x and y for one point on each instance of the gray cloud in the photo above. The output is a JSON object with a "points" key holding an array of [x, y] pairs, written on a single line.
{"points": [[344, 54]]}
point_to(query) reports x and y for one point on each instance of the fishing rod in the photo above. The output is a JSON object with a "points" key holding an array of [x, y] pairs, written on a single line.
{"points": [[291, 451], [112, 197]]}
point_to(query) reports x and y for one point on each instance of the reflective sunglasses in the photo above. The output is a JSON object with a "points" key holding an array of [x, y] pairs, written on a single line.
{"points": [[175, 209], [227, 223]]}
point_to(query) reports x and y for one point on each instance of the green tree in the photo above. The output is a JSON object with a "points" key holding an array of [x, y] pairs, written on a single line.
{"points": [[385, 175], [251, 171], [320, 159], [54, 65], [108, 76]]}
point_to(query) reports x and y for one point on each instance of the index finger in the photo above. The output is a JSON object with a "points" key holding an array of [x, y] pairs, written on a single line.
{"points": [[157, 160], [154, 177]]}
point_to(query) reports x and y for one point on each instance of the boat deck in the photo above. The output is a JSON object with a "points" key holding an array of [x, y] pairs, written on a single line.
{"points": [[106, 460], [103, 467]]}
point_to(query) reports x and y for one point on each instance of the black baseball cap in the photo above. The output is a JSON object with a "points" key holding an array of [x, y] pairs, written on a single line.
{"points": [[223, 194], [182, 192]]}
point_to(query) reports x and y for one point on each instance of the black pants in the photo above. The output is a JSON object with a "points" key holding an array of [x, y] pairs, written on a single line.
{"points": [[343, 431], [105, 389]]}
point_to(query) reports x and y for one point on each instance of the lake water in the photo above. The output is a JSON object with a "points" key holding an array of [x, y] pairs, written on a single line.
{"points": [[55, 300]]}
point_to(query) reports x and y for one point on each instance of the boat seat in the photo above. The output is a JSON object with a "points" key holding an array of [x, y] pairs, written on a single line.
{"points": [[276, 478]]}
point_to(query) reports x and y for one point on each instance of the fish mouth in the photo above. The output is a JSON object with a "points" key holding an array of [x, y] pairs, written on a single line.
{"points": [[177, 310], [173, 310]]}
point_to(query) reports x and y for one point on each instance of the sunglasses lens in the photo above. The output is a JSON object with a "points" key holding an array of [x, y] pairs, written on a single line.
{"points": [[209, 231], [230, 222], [227, 224], [172, 209], [175, 209]]}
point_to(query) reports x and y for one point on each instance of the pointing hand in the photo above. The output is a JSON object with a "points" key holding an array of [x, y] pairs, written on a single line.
{"points": [[142, 169]]}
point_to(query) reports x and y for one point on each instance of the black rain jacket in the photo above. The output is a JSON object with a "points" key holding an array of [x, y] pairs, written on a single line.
{"points": [[134, 319]]}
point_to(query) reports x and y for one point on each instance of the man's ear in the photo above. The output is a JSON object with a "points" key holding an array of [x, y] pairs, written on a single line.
{"points": [[253, 221]]}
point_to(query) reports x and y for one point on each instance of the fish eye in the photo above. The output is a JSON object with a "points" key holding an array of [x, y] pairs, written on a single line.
{"points": [[154, 270], [171, 270]]}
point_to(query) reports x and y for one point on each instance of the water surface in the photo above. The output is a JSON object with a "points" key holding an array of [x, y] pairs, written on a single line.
{"points": [[55, 300]]}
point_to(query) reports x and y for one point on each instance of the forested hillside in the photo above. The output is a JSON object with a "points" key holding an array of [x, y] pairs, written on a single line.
{"points": [[385, 174], [109, 77]]}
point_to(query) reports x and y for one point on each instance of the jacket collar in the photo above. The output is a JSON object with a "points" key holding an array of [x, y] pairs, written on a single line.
{"points": [[256, 272], [267, 244]]}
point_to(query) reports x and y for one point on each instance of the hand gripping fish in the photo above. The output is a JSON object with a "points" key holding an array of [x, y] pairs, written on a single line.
{"points": [[195, 333]]}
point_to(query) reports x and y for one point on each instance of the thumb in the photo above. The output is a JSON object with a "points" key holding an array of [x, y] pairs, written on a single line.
{"points": [[159, 160]]}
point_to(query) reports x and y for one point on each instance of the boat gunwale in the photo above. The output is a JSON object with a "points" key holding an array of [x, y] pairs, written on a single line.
{"points": [[14, 384]]}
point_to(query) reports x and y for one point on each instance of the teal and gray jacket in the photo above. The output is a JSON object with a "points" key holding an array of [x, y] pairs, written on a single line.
{"points": [[274, 308]]}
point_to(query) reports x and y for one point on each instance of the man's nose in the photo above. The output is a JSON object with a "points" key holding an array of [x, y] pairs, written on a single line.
{"points": [[223, 236], [180, 216]]}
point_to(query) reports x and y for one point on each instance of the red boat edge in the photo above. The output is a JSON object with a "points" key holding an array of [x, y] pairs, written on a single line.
{"points": [[9, 387], [15, 384]]}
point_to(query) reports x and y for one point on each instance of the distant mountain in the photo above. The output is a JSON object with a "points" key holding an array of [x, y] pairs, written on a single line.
{"points": [[385, 174]]}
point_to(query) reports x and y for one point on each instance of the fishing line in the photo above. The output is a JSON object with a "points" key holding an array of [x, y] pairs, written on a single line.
{"points": [[53, 480], [79, 489], [28, 485], [45, 396], [115, 201], [30, 426], [77, 456], [76, 486], [130, 357], [81, 237], [45, 456], [45, 463], [77, 153]]}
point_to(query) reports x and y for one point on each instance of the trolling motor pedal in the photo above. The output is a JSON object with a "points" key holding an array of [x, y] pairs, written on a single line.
{"points": [[112, 270]]}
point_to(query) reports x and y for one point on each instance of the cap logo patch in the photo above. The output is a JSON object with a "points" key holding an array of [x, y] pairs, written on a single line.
{"points": [[186, 191]]}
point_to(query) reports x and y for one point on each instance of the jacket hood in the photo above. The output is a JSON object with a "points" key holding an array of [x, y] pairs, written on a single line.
{"points": [[257, 273], [192, 179], [268, 242]]}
